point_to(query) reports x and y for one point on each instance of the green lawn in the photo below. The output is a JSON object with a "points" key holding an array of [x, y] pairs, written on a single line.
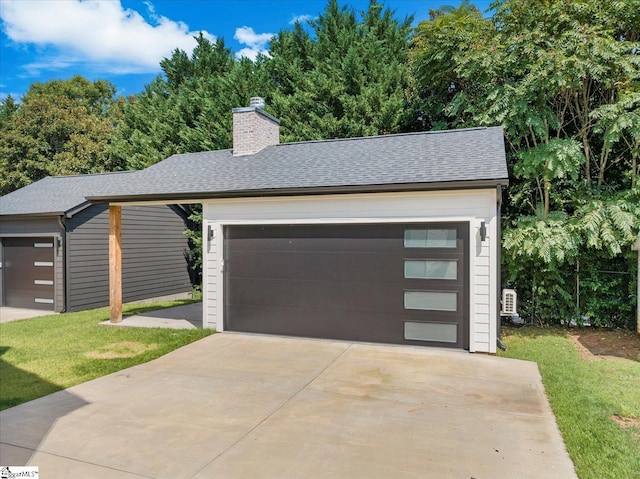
{"points": [[42, 355], [585, 395]]}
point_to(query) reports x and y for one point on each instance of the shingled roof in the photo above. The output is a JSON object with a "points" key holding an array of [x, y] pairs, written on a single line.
{"points": [[57, 195], [454, 158], [463, 158]]}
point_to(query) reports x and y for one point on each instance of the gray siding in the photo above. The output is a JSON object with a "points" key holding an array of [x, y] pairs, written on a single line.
{"points": [[39, 226], [153, 263], [30, 226]]}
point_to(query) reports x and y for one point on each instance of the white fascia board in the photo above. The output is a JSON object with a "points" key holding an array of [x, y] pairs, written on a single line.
{"points": [[186, 201], [361, 220]]}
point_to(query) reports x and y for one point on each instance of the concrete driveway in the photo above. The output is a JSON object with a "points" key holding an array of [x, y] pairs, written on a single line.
{"points": [[8, 313], [243, 406]]}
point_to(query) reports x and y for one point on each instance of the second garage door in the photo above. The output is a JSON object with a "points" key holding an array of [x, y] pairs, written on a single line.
{"points": [[394, 283]]}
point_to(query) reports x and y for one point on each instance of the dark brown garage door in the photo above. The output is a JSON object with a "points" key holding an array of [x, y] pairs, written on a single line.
{"points": [[395, 283], [28, 272]]}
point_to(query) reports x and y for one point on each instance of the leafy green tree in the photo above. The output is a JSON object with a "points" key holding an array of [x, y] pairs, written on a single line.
{"points": [[61, 127], [619, 124], [97, 97], [562, 78], [439, 46]]}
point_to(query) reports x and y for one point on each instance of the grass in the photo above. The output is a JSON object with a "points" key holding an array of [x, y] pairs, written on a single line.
{"points": [[43, 355], [585, 396]]}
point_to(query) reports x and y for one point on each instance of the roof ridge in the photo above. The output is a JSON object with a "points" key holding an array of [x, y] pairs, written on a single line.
{"points": [[330, 140], [85, 175], [390, 135]]}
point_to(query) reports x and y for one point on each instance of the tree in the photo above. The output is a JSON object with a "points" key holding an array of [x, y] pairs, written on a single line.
{"points": [[188, 107], [97, 97], [61, 127], [562, 78], [8, 107], [438, 47], [349, 78]]}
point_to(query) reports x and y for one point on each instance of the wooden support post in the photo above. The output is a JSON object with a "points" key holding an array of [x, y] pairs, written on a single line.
{"points": [[115, 263]]}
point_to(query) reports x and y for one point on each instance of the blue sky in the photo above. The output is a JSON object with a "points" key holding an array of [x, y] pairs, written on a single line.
{"points": [[123, 41]]}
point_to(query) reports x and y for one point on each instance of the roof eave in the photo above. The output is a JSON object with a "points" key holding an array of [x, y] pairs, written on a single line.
{"points": [[69, 213], [324, 190], [16, 216]]}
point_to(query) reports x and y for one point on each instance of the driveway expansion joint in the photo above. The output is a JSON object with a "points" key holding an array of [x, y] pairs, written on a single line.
{"points": [[276, 409]]}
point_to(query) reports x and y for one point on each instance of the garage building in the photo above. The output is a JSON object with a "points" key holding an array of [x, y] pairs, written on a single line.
{"points": [[390, 238]]}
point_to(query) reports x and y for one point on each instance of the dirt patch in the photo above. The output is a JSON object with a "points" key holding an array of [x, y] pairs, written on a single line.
{"points": [[603, 343], [626, 421], [128, 349]]}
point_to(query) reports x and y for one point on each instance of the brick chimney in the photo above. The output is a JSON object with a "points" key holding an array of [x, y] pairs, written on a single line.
{"points": [[253, 128]]}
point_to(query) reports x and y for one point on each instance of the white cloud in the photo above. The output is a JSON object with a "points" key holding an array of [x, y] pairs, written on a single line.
{"points": [[52, 63], [301, 19], [256, 42], [97, 32]]}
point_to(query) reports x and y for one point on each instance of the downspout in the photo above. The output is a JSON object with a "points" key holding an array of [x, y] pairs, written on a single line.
{"points": [[65, 266], [499, 269]]}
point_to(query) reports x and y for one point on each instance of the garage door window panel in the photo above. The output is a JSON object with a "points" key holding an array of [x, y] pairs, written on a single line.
{"points": [[430, 269], [431, 300], [430, 238], [433, 332]]}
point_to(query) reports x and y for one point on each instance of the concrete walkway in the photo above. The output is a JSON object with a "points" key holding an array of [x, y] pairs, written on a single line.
{"points": [[187, 316], [8, 313], [243, 406]]}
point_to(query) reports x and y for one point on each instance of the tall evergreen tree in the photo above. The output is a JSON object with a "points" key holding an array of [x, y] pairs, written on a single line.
{"points": [[8, 107], [348, 78], [188, 107]]}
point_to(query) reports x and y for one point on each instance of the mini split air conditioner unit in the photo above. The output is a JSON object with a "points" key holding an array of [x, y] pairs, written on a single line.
{"points": [[509, 300], [509, 306]]}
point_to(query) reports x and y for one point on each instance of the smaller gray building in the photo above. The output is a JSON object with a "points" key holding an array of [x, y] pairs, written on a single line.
{"points": [[54, 246]]}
